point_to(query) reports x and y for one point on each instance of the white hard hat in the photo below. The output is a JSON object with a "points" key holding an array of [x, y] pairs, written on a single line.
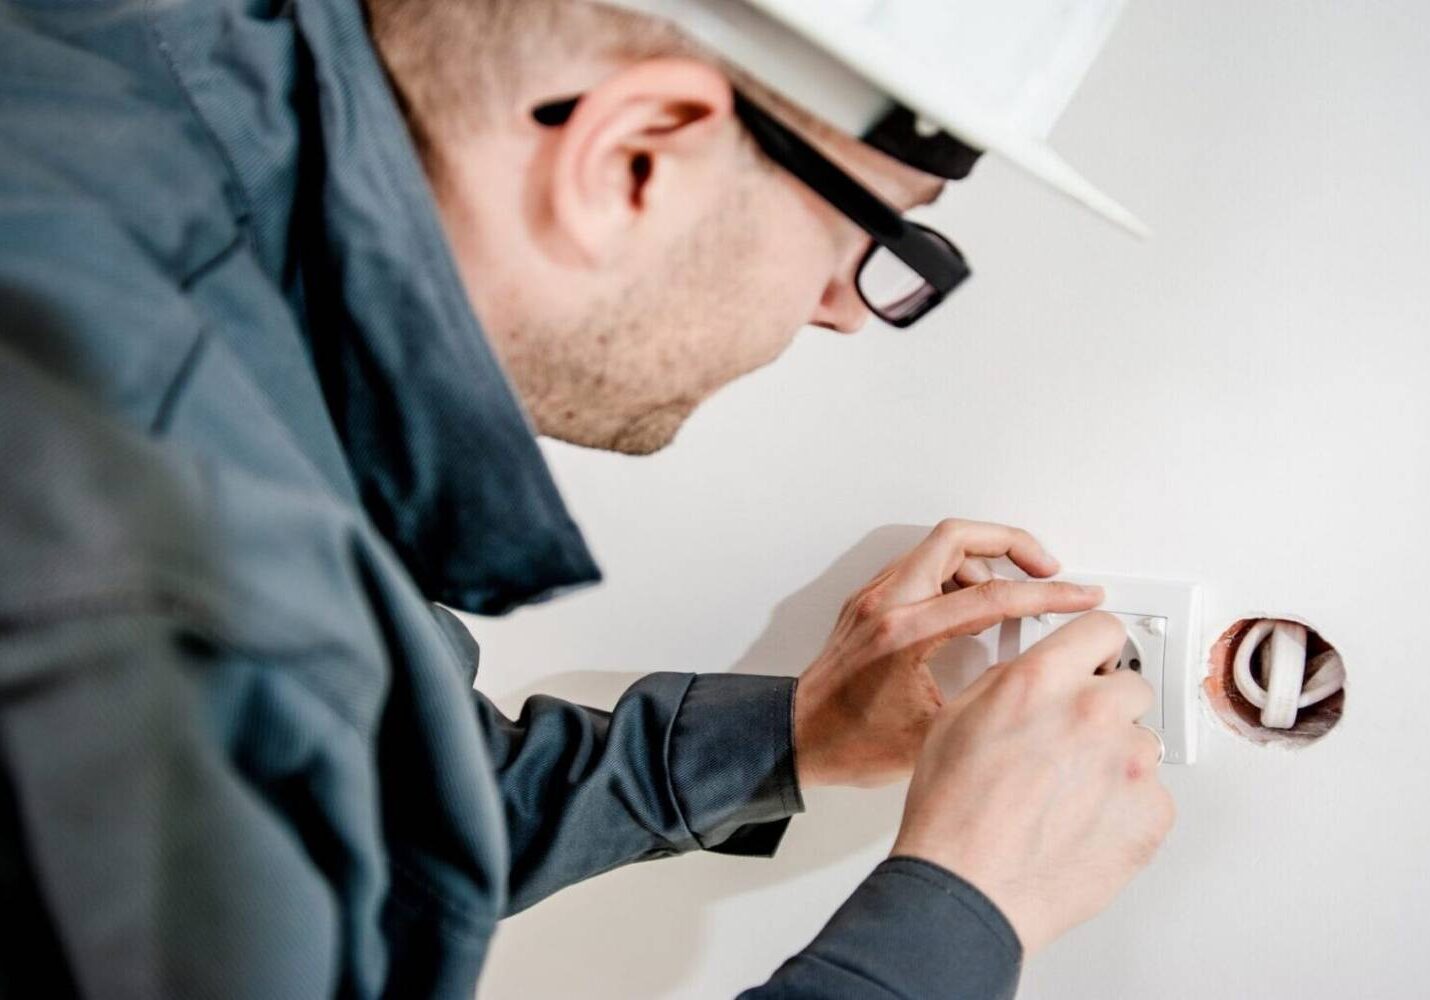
{"points": [[933, 82]]}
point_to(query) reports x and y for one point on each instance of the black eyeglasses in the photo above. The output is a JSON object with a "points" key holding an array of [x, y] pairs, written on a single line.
{"points": [[909, 268]]}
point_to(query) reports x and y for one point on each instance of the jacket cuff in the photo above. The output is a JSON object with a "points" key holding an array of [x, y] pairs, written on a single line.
{"points": [[918, 930], [732, 763]]}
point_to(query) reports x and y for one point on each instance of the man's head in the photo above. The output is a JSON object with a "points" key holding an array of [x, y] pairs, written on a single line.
{"points": [[642, 254]]}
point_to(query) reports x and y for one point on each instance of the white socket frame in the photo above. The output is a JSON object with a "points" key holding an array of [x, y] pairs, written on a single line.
{"points": [[1160, 615]]}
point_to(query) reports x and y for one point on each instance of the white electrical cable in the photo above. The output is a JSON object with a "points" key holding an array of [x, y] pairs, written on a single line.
{"points": [[1287, 686]]}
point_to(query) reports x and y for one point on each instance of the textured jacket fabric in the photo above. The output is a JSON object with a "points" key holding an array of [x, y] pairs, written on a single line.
{"points": [[251, 436]]}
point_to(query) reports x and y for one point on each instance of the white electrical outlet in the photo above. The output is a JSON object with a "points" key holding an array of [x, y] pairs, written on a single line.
{"points": [[1163, 620]]}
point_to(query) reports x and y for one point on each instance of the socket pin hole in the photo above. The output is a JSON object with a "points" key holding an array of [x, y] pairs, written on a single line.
{"points": [[1243, 718], [1131, 656]]}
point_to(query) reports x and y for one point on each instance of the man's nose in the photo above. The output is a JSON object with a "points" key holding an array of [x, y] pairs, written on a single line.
{"points": [[840, 308]]}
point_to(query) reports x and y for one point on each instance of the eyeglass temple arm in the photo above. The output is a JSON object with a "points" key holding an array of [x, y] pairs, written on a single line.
{"points": [[879, 219], [867, 210]]}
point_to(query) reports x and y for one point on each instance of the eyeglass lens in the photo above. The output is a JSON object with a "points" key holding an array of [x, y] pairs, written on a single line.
{"points": [[892, 289]]}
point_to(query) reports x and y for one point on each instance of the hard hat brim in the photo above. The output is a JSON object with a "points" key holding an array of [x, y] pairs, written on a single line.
{"points": [[919, 87], [821, 57]]}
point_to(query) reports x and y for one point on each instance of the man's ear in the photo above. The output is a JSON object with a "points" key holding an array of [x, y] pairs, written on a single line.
{"points": [[640, 143]]}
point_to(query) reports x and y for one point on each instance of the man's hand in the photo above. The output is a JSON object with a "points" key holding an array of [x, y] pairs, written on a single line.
{"points": [[863, 707], [1035, 786]]}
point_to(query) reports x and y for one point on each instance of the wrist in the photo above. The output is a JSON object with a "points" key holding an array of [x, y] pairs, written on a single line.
{"points": [[809, 766], [838, 743]]}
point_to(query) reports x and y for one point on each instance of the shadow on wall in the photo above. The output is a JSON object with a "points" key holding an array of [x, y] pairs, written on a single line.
{"points": [[638, 932]]}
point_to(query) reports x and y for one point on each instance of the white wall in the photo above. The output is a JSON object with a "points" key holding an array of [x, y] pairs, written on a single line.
{"points": [[1241, 401]]}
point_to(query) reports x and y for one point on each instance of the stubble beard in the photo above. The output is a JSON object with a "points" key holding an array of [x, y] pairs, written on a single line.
{"points": [[626, 380], [653, 430], [603, 389]]}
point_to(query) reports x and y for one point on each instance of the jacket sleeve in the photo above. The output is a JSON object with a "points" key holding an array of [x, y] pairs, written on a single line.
{"points": [[912, 929], [135, 859], [683, 762], [707, 761], [138, 862]]}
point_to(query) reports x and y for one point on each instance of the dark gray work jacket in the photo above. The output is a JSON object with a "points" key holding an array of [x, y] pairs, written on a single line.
{"points": [[250, 434]]}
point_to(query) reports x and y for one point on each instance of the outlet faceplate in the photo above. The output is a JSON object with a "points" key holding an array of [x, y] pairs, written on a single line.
{"points": [[1163, 620]]}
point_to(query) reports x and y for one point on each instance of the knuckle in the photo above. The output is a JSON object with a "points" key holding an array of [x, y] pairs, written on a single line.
{"points": [[886, 631], [1010, 697], [1061, 590], [1134, 689], [1142, 759], [1092, 709], [948, 526], [1014, 682], [1105, 624], [1106, 620], [865, 605], [995, 593], [1028, 677]]}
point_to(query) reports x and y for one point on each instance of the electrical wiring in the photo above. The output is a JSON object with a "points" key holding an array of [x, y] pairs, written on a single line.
{"points": [[1291, 683]]}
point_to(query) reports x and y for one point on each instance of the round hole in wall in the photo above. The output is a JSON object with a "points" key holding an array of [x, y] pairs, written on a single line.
{"points": [[1254, 641]]}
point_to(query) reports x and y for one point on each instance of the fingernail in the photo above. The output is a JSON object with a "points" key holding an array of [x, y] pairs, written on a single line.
{"points": [[1091, 589]]}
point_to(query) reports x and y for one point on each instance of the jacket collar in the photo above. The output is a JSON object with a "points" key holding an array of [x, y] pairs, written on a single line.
{"points": [[444, 455]]}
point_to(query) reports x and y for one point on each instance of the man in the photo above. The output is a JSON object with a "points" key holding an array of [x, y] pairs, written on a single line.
{"points": [[253, 428]]}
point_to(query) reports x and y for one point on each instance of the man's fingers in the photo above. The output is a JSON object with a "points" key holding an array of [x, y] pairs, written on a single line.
{"points": [[1147, 751], [973, 572], [1081, 646], [943, 553], [1141, 754], [1128, 694], [973, 609]]}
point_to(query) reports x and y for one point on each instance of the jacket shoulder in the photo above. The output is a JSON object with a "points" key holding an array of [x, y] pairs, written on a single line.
{"points": [[95, 127]]}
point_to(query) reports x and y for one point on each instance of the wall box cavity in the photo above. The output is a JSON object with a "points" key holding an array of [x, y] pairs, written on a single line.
{"points": [[1316, 715], [1163, 619]]}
